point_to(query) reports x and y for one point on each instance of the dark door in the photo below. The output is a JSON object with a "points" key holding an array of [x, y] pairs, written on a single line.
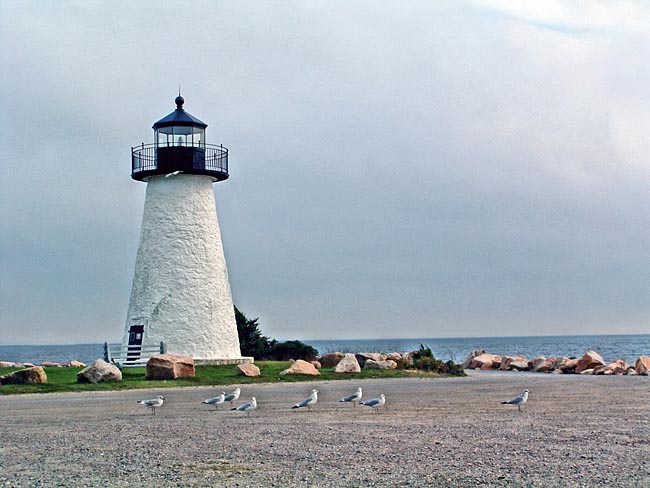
{"points": [[136, 333]]}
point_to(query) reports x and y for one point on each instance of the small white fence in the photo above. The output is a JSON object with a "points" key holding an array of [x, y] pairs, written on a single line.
{"points": [[130, 356]]}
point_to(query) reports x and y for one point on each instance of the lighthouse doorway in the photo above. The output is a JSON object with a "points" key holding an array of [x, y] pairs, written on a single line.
{"points": [[136, 334]]}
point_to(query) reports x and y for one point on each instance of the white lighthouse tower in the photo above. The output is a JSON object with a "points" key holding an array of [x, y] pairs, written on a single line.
{"points": [[181, 294]]}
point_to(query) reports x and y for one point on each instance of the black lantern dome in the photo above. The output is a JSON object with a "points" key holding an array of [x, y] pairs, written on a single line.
{"points": [[179, 145]]}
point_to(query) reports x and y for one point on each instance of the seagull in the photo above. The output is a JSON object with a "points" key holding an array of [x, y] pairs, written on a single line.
{"points": [[173, 174], [216, 401], [153, 403], [518, 400], [246, 407], [231, 397], [309, 401], [375, 402], [354, 398]]}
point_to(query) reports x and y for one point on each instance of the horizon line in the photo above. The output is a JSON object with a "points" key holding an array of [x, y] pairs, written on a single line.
{"points": [[376, 339]]}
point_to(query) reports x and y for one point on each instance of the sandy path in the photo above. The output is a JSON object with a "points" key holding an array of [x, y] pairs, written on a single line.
{"points": [[575, 431]]}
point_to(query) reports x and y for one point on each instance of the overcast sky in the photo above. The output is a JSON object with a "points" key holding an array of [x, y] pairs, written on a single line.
{"points": [[398, 169]]}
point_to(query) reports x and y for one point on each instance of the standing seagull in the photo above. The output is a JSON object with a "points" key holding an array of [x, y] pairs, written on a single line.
{"points": [[518, 400], [309, 401], [231, 397], [153, 403], [216, 401], [375, 402], [354, 398], [246, 407]]}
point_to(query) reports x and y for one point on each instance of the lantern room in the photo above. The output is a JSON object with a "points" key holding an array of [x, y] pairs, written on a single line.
{"points": [[179, 147]]}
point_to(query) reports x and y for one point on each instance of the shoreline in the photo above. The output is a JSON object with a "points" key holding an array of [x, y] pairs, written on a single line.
{"points": [[447, 431], [610, 346]]}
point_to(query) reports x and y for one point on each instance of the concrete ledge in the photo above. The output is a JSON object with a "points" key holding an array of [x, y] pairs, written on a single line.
{"points": [[222, 361]]}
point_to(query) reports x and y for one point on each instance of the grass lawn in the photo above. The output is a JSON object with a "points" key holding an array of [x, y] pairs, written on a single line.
{"points": [[65, 379]]}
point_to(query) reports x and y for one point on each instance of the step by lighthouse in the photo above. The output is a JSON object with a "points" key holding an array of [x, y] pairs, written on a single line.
{"points": [[181, 294]]}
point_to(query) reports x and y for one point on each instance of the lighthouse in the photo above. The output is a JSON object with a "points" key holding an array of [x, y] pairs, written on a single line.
{"points": [[181, 293]]}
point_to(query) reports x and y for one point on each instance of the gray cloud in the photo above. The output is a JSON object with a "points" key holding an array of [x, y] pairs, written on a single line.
{"points": [[398, 169]]}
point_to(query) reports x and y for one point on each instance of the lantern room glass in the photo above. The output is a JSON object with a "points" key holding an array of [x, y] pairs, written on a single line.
{"points": [[180, 135]]}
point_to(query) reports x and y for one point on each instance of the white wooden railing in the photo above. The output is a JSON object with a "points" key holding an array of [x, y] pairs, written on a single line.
{"points": [[130, 356]]}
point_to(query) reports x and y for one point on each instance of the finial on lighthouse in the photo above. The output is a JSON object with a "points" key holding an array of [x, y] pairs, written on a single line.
{"points": [[179, 100]]}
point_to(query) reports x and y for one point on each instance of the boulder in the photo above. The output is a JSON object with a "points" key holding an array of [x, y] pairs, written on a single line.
{"points": [[301, 367], [331, 359], [249, 370], [391, 364], [316, 364], [642, 365], [407, 359], [51, 364], [560, 361], [569, 366], [394, 356], [616, 367], [169, 367], [541, 365], [100, 370], [470, 357], [387, 364], [348, 364], [7, 364], [29, 376], [514, 363], [590, 360], [486, 361], [362, 357], [76, 364]]}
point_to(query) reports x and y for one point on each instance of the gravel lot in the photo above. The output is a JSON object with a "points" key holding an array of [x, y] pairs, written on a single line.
{"points": [[583, 431]]}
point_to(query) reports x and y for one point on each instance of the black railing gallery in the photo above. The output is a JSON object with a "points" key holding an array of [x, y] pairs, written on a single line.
{"points": [[205, 157]]}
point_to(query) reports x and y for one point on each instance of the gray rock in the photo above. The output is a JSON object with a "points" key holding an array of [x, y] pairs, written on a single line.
{"points": [[470, 357], [362, 357], [348, 364], [331, 359], [29, 376], [387, 364], [541, 364], [394, 356], [51, 364], [100, 370]]}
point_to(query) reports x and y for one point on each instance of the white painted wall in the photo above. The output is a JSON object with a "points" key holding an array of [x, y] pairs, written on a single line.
{"points": [[181, 292]]}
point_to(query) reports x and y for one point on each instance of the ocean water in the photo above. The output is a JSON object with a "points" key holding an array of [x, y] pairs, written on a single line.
{"points": [[610, 347]]}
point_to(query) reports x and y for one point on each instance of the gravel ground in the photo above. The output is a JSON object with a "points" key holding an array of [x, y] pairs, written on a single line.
{"points": [[583, 431]]}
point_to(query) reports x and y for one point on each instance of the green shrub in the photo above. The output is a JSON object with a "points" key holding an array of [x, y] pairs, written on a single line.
{"points": [[423, 352], [283, 351], [424, 360]]}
